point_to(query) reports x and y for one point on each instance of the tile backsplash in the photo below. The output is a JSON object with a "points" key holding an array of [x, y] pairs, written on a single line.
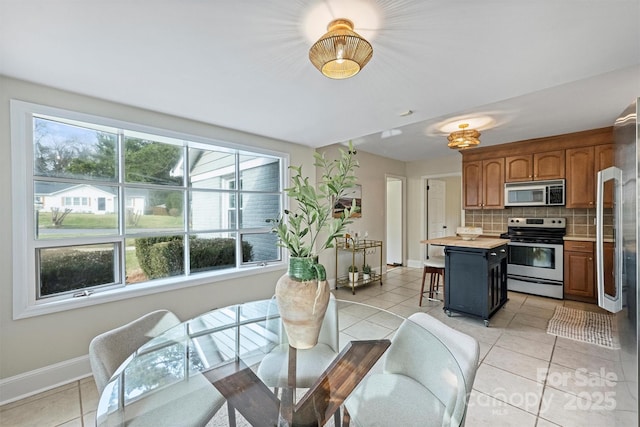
{"points": [[580, 222]]}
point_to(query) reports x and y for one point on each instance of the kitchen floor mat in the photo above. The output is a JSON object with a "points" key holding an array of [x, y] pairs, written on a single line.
{"points": [[585, 326]]}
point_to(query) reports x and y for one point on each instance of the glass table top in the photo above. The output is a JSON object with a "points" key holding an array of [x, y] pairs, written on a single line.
{"points": [[171, 378]]}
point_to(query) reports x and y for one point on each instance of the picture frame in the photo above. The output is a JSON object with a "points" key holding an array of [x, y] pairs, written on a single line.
{"points": [[345, 202]]}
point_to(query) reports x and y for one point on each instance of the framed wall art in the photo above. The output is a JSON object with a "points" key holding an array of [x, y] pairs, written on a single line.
{"points": [[353, 194]]}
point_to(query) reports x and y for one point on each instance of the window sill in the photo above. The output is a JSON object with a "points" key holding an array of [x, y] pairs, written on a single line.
{"points": [[137, 290]]}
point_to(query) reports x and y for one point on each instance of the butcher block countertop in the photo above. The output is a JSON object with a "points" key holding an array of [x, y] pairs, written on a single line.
{"points": [[478, 243]]}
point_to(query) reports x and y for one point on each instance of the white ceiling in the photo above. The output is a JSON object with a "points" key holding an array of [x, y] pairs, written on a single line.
{"points": [[536, 67]]}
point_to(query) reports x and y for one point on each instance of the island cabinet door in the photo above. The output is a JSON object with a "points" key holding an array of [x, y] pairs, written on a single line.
{"points": [[476, 280], [466, 288]]}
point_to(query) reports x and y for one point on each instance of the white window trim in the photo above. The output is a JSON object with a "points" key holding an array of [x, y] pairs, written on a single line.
{"points": [[25, 303]]}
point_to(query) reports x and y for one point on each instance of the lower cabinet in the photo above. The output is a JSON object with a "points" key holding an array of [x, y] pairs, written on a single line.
{"points": [[475, 281], [580, 281], [579, 271]]}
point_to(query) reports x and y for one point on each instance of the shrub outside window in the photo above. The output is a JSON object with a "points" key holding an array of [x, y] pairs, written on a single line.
{"points": [[116, 205]]}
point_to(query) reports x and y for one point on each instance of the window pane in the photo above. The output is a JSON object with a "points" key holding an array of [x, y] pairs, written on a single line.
{"points": [[71, 268], [257, 208], [69, 210], [259, 173], [149, 210], [63, 150], [213, 251], [212, 210], [151, 161], [263, 247], [150, 258], [211, 169]]}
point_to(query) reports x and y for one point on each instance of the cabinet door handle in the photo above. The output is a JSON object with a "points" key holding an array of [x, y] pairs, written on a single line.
{"points": [[502, 251], [493, 254]]}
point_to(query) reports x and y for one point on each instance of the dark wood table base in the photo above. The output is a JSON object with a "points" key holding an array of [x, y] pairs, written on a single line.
{"points": [[245, 392]]}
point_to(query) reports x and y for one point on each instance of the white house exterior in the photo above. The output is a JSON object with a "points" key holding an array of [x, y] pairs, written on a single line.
{"points": [[84, 198]]}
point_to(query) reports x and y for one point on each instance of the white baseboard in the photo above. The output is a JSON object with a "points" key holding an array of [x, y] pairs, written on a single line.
{"points": [[43, 379]]}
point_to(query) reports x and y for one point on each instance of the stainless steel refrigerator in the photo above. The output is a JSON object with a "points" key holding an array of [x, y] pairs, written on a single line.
{"points": [[622, 298]]}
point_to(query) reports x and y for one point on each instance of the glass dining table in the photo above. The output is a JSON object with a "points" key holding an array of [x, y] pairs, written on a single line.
{"points": [[187, 374]]}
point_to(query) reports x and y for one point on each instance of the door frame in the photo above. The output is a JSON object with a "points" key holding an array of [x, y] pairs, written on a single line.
{"points": [[423, 207], [403, 215]]}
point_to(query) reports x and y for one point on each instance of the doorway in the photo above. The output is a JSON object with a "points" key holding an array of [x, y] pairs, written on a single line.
{"points": [[443, 212], [395, 220]]}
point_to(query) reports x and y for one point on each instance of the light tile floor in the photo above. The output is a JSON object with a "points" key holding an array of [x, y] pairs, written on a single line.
{"points": [[525, 378]]}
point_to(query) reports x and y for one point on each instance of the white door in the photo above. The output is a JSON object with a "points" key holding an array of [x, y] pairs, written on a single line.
{"points": [[436, 207]]}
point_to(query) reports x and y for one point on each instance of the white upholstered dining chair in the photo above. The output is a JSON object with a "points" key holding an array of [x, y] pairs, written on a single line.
{"points": [[426, 378], [108, 350], [192, 405]]}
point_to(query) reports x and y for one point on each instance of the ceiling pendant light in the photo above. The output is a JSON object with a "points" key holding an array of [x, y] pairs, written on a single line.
{"points": [[463, 138], [340, 53]]}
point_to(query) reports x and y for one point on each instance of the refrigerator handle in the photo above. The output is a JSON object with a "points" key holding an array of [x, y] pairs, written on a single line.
{"points": [[612, 303]]}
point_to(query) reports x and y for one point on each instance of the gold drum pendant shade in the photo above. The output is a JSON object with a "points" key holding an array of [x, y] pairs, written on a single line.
{"points": [[340, 53], [463, 138]]}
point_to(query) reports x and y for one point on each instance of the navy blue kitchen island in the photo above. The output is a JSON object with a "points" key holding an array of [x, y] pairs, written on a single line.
{"points": [[475, 275]]}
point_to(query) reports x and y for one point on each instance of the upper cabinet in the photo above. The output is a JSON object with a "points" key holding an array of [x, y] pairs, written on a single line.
{"points": [[575, 157], [582, 167], [580, 186], [604, 159], [535, 167], [483, 184]]}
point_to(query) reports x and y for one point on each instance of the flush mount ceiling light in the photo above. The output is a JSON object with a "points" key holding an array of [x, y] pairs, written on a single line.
{"points": [[340, 53], [463, 138]]}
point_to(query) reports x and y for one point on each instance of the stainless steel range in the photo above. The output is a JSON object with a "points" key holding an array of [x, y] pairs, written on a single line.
{"points": [[535, 255]]}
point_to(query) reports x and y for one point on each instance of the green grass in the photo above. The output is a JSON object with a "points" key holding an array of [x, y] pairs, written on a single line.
{"points": [[89, 221]]}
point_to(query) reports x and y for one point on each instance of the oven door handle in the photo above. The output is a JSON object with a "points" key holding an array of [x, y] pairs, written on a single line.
{"points": [[534, 280]]}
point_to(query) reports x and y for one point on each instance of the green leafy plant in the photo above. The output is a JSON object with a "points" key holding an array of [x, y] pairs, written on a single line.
{"points": [[366, 269], [353, 269], [299, 230]]}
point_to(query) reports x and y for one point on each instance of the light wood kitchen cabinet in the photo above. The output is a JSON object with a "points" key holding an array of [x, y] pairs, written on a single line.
{"points": [[483, 184], [604, 159], [579, 271], [576, 157], [580, 185], [582, 166], [535, 167]]}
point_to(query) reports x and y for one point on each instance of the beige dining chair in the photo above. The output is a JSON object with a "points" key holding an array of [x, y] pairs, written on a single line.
{"points": [[108, 350], [191, 403], [426, 378]]}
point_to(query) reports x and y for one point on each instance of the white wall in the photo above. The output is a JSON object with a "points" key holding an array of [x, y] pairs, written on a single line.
{"points": [[34, 343], [371, 175]]}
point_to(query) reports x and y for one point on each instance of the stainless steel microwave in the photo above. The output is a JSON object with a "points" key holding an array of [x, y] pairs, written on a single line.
{"points": [[534, 193]]}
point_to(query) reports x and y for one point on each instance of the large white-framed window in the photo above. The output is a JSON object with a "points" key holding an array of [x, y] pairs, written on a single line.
{"points": [[104, 208]]}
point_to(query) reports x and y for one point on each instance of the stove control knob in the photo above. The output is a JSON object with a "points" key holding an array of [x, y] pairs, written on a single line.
{"points": [[553, 221]]}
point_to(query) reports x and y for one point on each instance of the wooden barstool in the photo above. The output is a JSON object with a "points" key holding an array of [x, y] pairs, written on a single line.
{"points": [[435, 267]]}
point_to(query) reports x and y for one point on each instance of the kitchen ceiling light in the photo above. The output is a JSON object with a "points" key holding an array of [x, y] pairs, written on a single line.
{"points": [[340, 53], [463, 138]]}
